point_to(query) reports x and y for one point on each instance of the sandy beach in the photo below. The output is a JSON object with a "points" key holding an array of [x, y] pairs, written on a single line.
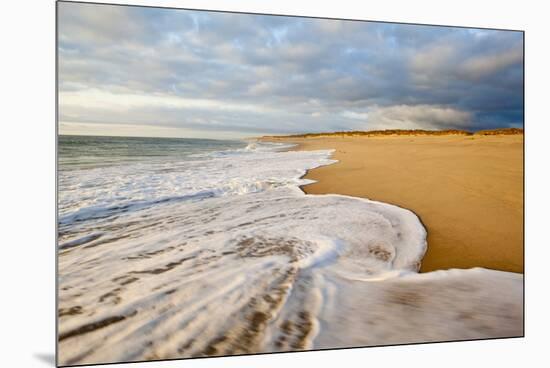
{"points": [[240, 261], [467, 190]]}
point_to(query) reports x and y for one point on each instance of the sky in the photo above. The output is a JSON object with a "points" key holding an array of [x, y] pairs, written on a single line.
{"points": [[135, 71]]}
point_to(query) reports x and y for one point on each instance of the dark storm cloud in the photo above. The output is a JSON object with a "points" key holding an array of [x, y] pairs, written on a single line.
{"points": [[255, 74]]}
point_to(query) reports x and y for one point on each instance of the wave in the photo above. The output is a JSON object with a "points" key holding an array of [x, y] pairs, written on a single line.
{"points": [[92, 194]]}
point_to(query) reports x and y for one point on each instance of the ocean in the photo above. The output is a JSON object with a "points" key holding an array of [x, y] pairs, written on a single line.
{"points": [[171, 248], [98, 175]]}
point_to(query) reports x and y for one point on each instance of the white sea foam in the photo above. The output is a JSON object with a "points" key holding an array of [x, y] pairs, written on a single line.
{"points": [[224, 254], [97, 192]]}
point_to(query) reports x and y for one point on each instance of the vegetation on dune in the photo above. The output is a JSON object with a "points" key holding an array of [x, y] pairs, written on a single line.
{"points": [[505, 131], [414, 132]]}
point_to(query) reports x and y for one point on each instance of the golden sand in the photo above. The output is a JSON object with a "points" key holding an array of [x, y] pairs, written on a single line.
{"points": [[467, 190]]}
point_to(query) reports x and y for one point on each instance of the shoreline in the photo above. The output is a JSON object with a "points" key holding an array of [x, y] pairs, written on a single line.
{"points": [[302, 188], [276, 258], [470, 234]]}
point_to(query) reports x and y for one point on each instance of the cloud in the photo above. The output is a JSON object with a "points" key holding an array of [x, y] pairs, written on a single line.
{"points": [[486, 65], [99, 99], [418, 117], [355, 115], [202, 71], [433, 60]]}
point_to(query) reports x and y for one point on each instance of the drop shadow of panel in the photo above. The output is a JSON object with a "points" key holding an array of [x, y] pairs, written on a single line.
{"points": [[47, 358]]}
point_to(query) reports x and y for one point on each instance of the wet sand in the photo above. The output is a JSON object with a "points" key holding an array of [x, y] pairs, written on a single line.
{"points": [[467, 190]]}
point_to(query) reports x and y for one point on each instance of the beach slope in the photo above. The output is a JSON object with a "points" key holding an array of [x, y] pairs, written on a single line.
{"points": [[467, 190]]}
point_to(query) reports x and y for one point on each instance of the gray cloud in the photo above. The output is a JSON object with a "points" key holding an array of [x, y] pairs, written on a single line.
{"points": [[255, 74], [421, 117]]}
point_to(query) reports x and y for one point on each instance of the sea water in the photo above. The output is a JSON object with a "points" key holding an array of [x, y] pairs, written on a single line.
{"points": [[185, 247]]}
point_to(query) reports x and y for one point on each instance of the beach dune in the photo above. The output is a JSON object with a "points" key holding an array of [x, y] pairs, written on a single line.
{"points": [[466, 189]]}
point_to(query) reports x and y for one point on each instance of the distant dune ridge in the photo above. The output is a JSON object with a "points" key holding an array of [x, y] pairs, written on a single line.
{"points": [[505, 131], [413, 132]]}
